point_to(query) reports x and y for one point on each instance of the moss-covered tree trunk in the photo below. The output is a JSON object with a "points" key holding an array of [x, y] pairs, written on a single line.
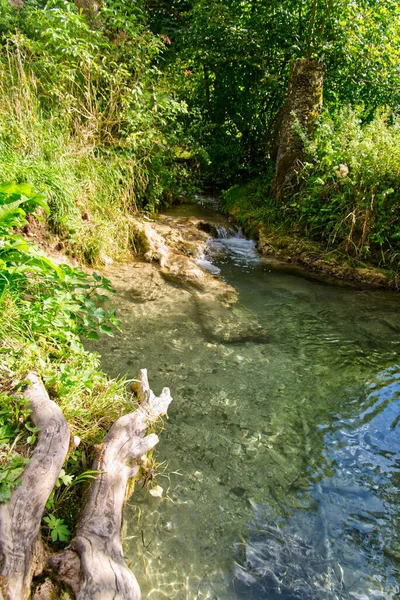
{"points": [[302, 107]]}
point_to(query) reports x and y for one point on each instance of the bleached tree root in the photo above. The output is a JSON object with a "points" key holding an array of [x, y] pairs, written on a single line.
{"points": [[21, 550], [93, 565]]}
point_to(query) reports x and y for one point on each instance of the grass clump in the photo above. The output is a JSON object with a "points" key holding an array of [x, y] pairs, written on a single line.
{"points": [[251, 205], [350, 193]]}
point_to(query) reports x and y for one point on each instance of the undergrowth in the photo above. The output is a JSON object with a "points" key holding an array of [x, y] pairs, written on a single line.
{"points": [[85, 116], [45, 309], [348, 193]]}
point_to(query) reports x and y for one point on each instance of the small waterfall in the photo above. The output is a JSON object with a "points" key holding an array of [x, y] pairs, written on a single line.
{"points": [[224, 232], [206, 264], [229, 245]]}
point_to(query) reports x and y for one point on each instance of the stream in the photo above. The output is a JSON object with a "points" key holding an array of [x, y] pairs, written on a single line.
{"points": [[280, 460]]}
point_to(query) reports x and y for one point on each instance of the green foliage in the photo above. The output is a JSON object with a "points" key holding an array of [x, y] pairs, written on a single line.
{"points": [[72, 308], [14, 424], [57, 528], [87, 116], [65, 485], [65, 498], [13, 466], [44, 310], [351, 187], [232, 60], [250, 203], [18, 257]]}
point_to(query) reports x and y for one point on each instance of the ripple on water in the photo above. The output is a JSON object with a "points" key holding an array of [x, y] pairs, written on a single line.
{"points": [[280, 459]]}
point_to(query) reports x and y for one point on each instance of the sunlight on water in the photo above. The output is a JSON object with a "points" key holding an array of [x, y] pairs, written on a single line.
{"points": [[280, 460]]}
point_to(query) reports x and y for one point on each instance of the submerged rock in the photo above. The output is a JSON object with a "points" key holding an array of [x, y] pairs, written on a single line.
{"points": [[224, 323], [176, 245], [278, 563]]}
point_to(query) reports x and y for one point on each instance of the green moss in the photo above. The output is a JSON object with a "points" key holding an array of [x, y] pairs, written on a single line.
{"points": [[278, 235]]}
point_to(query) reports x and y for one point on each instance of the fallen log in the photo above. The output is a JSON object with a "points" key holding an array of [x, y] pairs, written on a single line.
{"points": [[93, 565], [21, 551]]}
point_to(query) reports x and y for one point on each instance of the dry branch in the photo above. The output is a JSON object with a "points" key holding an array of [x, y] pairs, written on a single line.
{"points": [[93, 566], [21, 552]]}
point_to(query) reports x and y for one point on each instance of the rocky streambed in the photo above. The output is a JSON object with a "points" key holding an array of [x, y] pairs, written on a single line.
{"points": [[279, 461]]}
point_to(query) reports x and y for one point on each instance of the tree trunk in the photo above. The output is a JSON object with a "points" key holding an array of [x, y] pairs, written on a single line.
{"points": [[302, 107]]}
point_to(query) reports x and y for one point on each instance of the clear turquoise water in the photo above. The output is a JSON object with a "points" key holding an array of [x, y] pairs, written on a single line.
{"points": [[280, 460]]}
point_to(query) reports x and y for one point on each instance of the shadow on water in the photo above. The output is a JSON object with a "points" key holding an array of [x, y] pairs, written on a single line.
{"points": [[281, 459]]}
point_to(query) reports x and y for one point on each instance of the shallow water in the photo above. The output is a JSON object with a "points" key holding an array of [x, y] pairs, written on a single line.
{"points": [[281, 460]]}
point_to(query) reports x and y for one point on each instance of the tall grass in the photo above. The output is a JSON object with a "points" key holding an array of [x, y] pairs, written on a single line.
{"points": [[87, 129], [350, 192]]}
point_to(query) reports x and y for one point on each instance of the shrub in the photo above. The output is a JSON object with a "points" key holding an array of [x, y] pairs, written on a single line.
{"points": [[45, 308], [350, 186], [87, 117]]}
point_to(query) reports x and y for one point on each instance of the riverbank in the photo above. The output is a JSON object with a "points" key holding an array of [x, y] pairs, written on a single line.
{"points": [[261, 221], [61, 416], [54, 306]]}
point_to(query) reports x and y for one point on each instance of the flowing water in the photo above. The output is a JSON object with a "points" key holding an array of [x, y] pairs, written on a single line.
{"points": [[280, 460]]}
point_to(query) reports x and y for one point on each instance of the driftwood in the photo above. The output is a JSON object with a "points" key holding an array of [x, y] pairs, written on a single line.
{"points": [[94, 557], [93, 566], [21, 550]]}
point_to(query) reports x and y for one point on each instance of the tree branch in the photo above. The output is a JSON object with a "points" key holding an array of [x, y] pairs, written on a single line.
{"points": [[93, 566]]}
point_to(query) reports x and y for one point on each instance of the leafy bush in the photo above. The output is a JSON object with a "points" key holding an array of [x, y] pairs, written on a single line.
{"points": [[71, 308], [350, 193], [44, 310]]}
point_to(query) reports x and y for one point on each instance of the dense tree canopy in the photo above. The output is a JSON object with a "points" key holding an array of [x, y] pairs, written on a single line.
{"points": [[233, 57]]}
